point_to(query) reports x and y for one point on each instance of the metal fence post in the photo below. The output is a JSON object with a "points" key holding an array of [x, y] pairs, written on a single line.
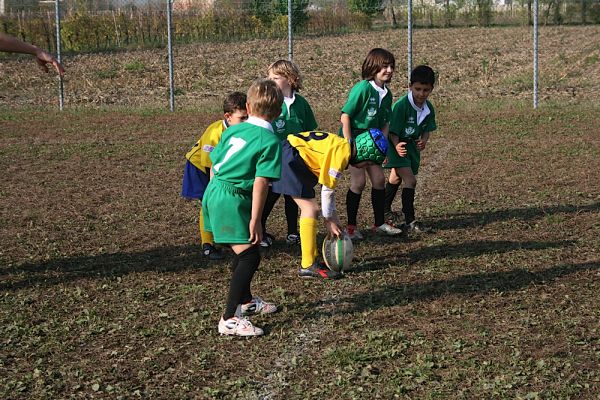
{"points": [[61, 94], [535, 54], [290, 32], [410, 37], [170, 51]]}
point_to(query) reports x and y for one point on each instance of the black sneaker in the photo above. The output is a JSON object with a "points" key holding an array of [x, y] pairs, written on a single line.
{"points": [[211, 252], [293, 238], [267, 241], [318, 270], [417, 227]]}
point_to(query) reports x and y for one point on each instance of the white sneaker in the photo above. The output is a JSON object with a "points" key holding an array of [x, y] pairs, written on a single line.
{"points": [[258, 306], [387, 230], [238, 326]]}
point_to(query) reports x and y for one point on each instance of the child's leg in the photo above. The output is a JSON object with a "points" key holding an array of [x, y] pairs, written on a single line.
{"points": [[248, 259], [309, 211], [269, 204], [205, 236], [377, 192], [409, 181], [357, 184], [291, 214], [391, 189]]}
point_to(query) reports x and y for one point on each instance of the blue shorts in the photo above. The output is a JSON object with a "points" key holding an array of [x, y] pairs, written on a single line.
{"points": [[296, 179], [194, 182]]}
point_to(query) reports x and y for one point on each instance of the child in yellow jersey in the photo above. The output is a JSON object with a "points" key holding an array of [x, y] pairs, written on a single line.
{"points": [[315, 157], [197, 167]]}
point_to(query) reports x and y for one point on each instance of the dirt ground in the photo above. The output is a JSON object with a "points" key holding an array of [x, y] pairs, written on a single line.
{"points": [[104, 293]]}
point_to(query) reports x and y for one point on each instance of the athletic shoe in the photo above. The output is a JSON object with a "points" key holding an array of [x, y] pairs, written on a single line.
{"points": [[267, 241], [354, 233], [293, 238], [238, 326], [387, 230], [212, 252], [258, 306], [417, 227], [318, 270], [393, 218]]}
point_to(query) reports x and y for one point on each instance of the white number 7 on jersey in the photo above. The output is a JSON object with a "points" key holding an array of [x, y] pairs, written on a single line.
{"points": [[236, 145]]}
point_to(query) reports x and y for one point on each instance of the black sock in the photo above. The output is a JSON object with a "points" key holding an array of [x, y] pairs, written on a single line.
{"points": [[377, 200], [408, 204], [390, 194], [352, 204], [269, 204], [291, 214], [239, 287]]}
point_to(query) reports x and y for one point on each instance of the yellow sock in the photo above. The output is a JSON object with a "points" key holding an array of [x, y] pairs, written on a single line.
{"points": [[308, 240], [205, 236]]}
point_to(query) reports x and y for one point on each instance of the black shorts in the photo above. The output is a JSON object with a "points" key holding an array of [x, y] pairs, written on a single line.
{"points": [[296, 179]]}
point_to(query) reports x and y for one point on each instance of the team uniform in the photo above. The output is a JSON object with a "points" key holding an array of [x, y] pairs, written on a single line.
{"points": [[309, 158], [408, 122], [246, 151], [315, 157], [197, 167], [368, 106], [296, 116]]}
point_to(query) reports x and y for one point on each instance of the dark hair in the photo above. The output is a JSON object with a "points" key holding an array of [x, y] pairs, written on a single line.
{"points": [[234, 101], [375, 61], [422, 74]]}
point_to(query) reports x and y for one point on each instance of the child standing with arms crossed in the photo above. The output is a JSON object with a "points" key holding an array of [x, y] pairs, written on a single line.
{"points": [[369, 106], [246, 159], [296, 116], [197, 167], [413, 118]]}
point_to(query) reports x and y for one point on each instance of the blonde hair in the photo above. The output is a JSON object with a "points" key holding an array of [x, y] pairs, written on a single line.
{"points": [[265, 99], [289, 71]]}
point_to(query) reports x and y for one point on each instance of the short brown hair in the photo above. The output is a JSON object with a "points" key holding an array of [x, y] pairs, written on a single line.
{"points": [[289, 71], [265, 99], [375, 61], [234, 101]]}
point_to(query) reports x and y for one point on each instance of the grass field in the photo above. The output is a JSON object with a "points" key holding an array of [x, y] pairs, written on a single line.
{"points": [[105, 294]]}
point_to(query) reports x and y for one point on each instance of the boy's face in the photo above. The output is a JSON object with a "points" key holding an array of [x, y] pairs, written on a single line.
{"points": [[421, 92], [281, 81], [384, 76], [236, 117]]}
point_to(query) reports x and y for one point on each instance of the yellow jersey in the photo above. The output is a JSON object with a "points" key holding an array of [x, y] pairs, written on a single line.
{"points": [[325, 154], [199, 155]]}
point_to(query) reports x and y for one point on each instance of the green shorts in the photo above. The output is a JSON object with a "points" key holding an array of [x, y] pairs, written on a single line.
{"points": [[412, 159], [227, 211]]}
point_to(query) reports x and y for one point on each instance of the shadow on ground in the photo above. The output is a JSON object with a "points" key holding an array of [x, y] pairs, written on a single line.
{"points": [[479, 219], [480, 283], [46, 273]]}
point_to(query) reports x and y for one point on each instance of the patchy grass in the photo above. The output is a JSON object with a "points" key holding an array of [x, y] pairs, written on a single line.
{"points": [[105, 294]]}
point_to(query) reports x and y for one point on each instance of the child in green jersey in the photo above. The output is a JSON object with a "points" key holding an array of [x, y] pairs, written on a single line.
{"points": [[413, 118], [246, 159], [369, 106], [296, 116], [196, 173]]}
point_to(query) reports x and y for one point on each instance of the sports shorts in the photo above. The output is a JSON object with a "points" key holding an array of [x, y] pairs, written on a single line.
{"points": [[412, 159], [296, 179], [194, 182], [227, 211]]}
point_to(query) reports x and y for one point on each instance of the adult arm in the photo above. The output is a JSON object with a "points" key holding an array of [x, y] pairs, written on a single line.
{"points": [[13, 45]]}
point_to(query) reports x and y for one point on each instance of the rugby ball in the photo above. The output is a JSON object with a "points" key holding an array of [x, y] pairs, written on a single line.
{"points": [[337, 252]]}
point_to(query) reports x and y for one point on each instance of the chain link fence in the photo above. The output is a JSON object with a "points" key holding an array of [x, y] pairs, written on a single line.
{"points": [[91, 26]]}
